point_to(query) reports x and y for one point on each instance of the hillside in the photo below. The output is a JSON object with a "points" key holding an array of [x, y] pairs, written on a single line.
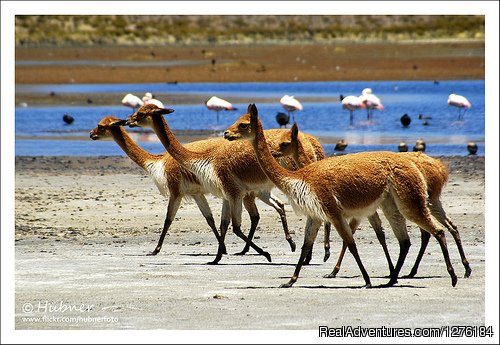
{"points": [[185, 30]]}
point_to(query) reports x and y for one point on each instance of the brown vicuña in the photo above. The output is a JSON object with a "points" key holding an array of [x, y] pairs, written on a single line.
{"points": [[228, 171], [311, 151], [169, 176], [298, 146], [340, 188], [292, 144]]}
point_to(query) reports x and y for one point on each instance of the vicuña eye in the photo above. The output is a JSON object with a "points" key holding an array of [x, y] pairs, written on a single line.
{"points": [[243, 125]]}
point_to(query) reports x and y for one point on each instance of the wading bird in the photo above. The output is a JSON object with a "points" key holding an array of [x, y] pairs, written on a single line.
{"points": [[132, 101], [460, 102], [217, 104], [371, 102], [405, 120], [290, 104], [148, 98], [352, 103], [282, 119]]}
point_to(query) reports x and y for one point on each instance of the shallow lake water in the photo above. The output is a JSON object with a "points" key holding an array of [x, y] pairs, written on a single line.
{"points": [[444, 132]]}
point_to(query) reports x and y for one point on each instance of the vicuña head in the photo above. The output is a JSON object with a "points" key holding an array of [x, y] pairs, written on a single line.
{"points": [[103, 128], [242, 128], [284, 145], [142, 117]]}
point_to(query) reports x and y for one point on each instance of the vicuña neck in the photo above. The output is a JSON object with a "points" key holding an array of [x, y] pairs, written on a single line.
{"points": [[170, 142], [275, 172], [300, 155], [136, 153]]}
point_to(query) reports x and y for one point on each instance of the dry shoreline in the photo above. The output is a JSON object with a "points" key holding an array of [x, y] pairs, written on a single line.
{"points": [[472, 166], [85, 224], [336, 61]]}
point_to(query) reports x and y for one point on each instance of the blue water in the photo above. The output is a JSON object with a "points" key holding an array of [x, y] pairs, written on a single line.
{"points": [[445, 134], [109, 148]]}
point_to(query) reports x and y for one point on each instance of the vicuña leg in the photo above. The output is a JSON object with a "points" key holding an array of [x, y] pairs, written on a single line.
{"points": [[353, 224], [439, 213], [271, 200], [376, 224], [326, 245], [235, 207], [424, 240], [328, 229], [311, 230], [442, 242], [398, 224], [345, 232], [224, 224], [420, 214], [173, 205], [249, 203], [202, 203]]}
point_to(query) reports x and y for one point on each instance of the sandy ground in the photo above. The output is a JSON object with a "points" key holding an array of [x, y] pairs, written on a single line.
{"points": [[84, 227]]}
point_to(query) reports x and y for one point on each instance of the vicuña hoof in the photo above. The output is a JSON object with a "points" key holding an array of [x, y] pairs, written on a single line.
{"points": [[410, 275], [287, 285], [215, 262], [389, 284], [333, 274], [330, 275]]}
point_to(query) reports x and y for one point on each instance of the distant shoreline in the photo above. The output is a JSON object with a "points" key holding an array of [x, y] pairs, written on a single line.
{"points": [[186, 136], [468, 165], [333, 61]]}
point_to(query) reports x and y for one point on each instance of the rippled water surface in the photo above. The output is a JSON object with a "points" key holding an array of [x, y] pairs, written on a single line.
{"points": [[445, 133]]}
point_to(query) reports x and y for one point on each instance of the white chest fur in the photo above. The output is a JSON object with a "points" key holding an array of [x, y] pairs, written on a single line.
{"points": [[156, 170]]}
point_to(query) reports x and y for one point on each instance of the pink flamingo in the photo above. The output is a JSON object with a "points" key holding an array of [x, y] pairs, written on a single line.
{"points": [[352, 103], [371, 102], [148, 99], [218, 104], [290, 104], [132, 101], [459, 102]]}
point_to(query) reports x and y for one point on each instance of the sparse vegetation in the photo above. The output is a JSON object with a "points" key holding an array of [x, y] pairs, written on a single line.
{"points": [[50, 30]]}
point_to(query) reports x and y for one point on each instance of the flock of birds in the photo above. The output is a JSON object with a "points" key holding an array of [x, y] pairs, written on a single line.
{"points": [[135, 102], [367, 100]]}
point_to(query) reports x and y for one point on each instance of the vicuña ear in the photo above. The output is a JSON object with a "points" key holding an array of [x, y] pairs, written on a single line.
{"points": [[119, 123], [163, 111], [254, 114], [295, 131]]}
